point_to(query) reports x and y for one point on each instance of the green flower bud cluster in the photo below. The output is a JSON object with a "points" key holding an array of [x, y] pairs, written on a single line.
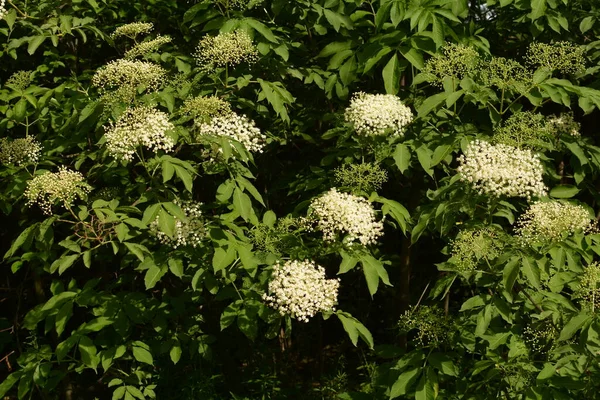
{"points": [[240, 4], [456, 61], [19, 80], [128, 74], [541, 338], [432, 327], [524, 130], [62, 186], [365, 177], [145, 48], [565, 57], [225, 50], [20, 152], [205, 108], [506, 74], [563, 124], [588, 289], [188, 232], [133, 30], [471, 246], [552, 221]]}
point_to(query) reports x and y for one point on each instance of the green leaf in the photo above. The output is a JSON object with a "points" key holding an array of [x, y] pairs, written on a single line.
{"points": [[262, 29], [63, 315], [88, 352], [141, 352], [242, 203], [425, 390], [574, 324], [63, 263], [391, 75], [402, 157], [348, 71], [373, 270], [230, 313], [586, 24], [34, 43], [118, 393], [538, 8], [511, 273], [404, 382], [176, 267], [413, 56], [430, 103], [175, 352], [223, 257], [153, 274], [547, 372], [564, 191], [444, 364], [348, 262], [334, 48], [355, 329], [532, 272], [24, 239], [185, 177], [9, 382]]}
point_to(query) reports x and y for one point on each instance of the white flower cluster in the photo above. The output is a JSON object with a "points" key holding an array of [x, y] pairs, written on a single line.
{"points": [[132, 30], [552, 221], [378, 114], [189, 232], [337, 212], [128, 73], [3, 10], [237, 127], [64, 185], [139, 126], [145, 48], [301, 290], [225, 49], [502, 170], [564, 124], [21, 151]]}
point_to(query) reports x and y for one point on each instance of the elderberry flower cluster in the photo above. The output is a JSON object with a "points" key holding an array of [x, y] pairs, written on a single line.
{"points": [[541, 338], [130, 74], [301, 290], [50, 187], [456, 61], [365, 177], [145, 48], [20, 80], [566, 57], [506, 74], [473, 245], [378, 114], [431, 325], [563, 124], [138, 126], [21, 151], [588, 289], [236, 127], [240, 4], [133, 30], [502, 170], [343, 213], [188, 232], [3, 10], [524, 129], [204, 108], [225, 49], [552, 221]]}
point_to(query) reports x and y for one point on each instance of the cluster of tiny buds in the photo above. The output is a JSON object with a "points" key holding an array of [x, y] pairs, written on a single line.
{"points": [[588, 289], [189, 232], [3, 10], [300, 289], [128, 73], [431, 325], [20, 152], [506, 74], [133, 30], [566, 57], [343, 213], [139, 126], [378, 114], [563, 124], [204, 108], [225, 50], [473, 245], [552, 221], [20, 80], [456, 62], [148, 47], [236, 127], [361, 177], [50, 187], [502, 170]]}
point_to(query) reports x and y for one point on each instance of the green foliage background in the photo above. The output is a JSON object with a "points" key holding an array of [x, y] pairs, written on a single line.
{"points": [[120, 315]]}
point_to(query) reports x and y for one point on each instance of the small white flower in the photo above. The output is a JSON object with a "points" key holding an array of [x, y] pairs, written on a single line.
{"points": [[502, 170], [378, 114], [225, 49], [21, 151], [343, 213], [552, 221], [64, 186], [139, 126], [301, 290], [3, 10], [189, 232], [237, 127]]}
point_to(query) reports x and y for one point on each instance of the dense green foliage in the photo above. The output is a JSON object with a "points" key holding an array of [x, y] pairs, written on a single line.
{"points": [[140, 238]]}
